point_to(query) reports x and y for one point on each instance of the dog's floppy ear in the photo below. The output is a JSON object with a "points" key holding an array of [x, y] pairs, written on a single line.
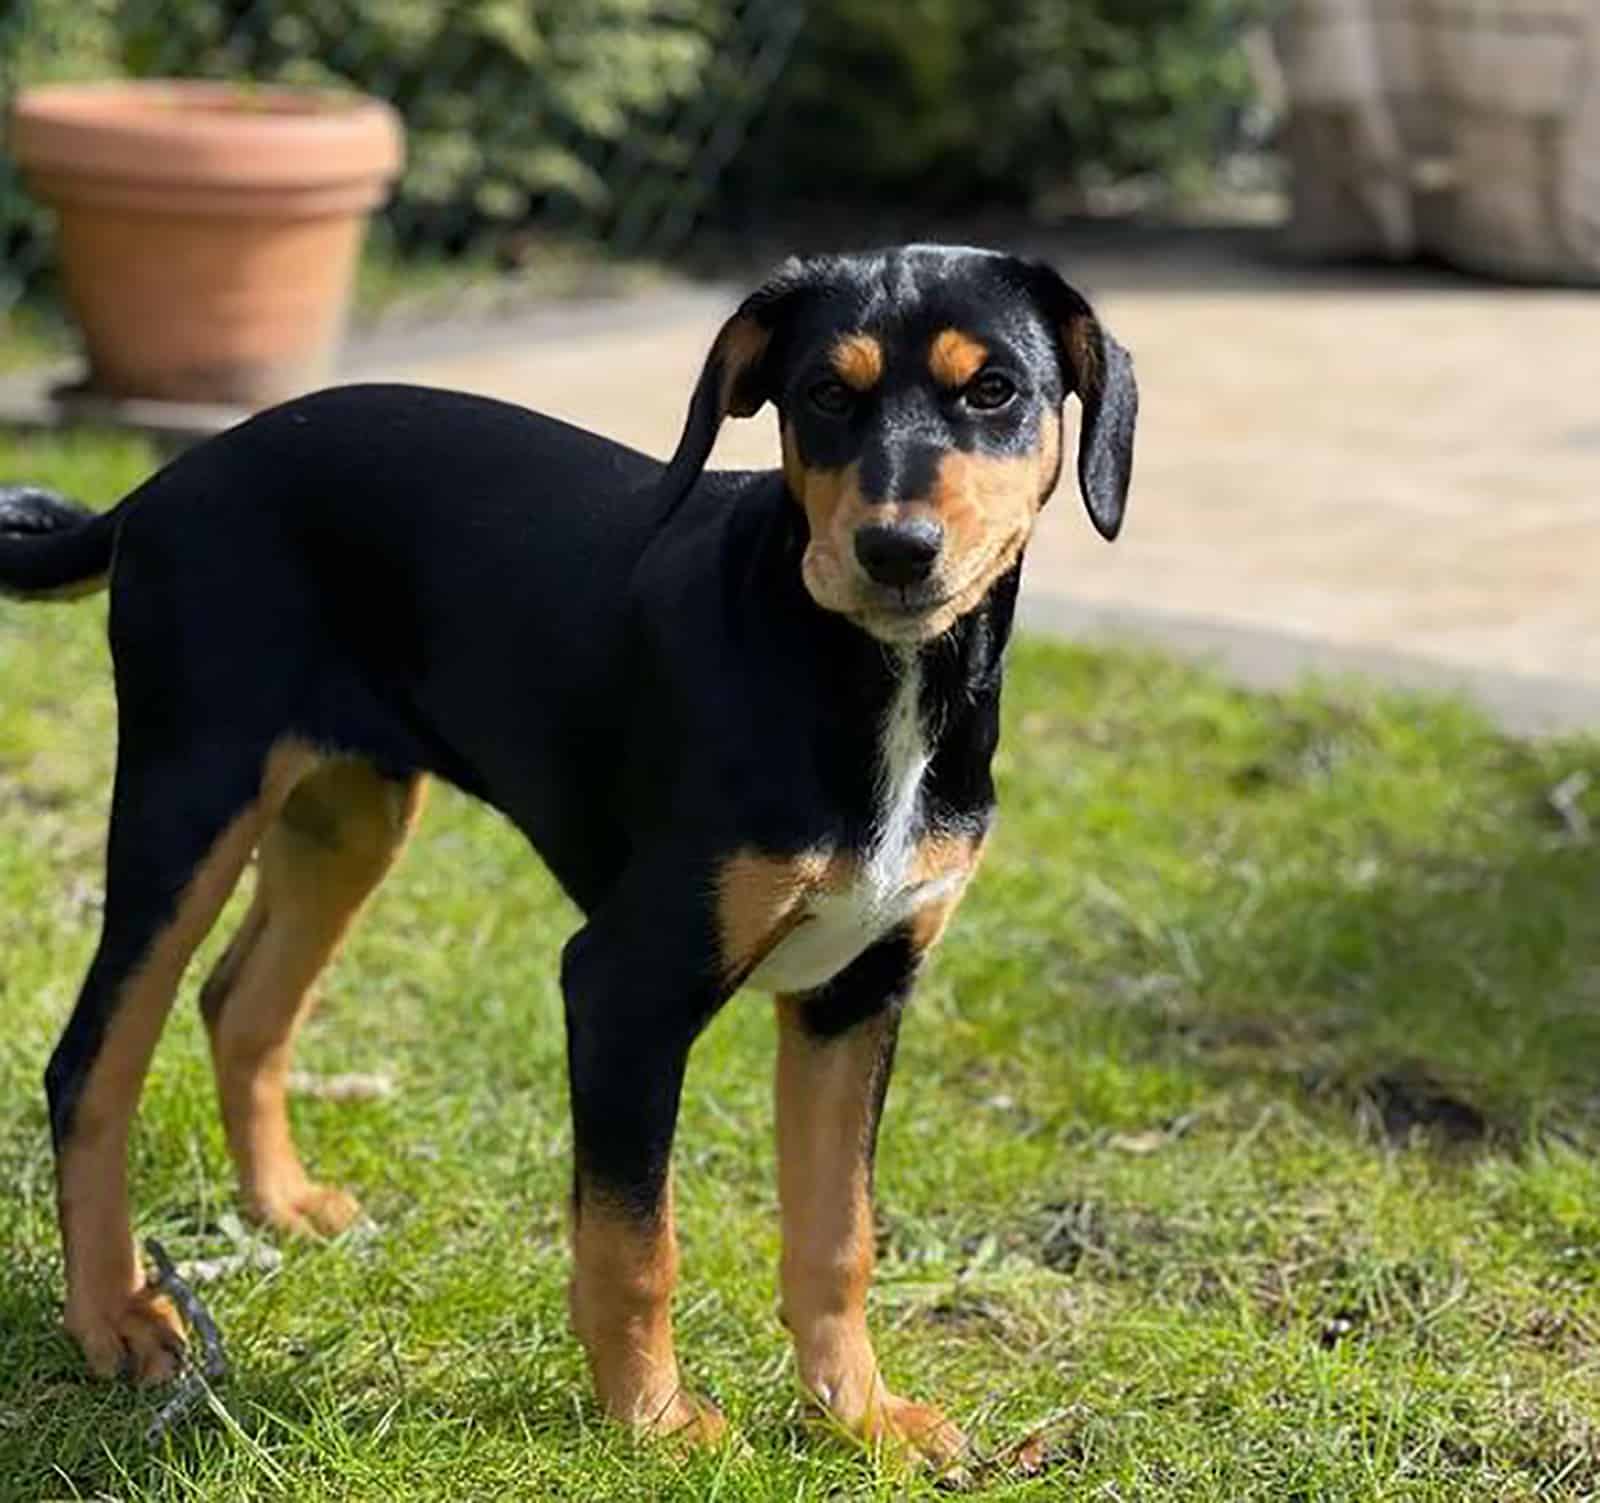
{"points": [[736, 379], [1101, 372]]}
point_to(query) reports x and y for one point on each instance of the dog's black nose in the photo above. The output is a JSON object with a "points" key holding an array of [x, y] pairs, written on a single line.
{"points": [[899, 553]]}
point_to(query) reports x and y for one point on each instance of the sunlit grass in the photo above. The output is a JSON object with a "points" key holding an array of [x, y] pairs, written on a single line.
{"points": [[1242, 1136]]}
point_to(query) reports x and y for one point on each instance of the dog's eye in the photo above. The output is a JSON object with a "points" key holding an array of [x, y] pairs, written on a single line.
{"points": [[832, 397], [989, 391]]}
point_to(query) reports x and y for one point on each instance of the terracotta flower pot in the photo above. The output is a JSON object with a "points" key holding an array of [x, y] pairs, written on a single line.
{"points": [[209, 231]]}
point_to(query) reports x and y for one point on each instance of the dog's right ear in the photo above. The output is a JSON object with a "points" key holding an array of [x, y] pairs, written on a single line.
{"points": [[736, 380]]}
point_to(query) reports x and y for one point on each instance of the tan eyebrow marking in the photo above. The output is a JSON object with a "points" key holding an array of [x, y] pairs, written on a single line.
{"points": [[857, 360], [955, 358]]}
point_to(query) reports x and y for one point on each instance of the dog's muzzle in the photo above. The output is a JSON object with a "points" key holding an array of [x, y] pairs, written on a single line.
{"points": [[899, 554]]}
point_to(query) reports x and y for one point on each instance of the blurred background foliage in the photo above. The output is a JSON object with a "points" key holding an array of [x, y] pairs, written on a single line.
{"points": [[951, 101], [630, 123]]}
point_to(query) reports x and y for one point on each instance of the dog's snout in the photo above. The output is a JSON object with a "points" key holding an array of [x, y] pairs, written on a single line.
{"points": [[899, 553]]}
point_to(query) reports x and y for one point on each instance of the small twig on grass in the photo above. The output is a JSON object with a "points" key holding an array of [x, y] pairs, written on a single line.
{"points": [[1046, 1446], [194, 1386]]}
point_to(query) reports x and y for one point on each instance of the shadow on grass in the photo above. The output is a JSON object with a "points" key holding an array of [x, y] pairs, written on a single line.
{"points": [[1363, 900], [304, 1424], [1453, 995], [289, 1411]]}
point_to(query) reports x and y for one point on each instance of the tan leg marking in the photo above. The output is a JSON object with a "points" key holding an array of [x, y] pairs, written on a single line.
{"points": [[625, 1267], [761, 900], [828, 1096], [333, 841], [943, 856], [121, 1325]]}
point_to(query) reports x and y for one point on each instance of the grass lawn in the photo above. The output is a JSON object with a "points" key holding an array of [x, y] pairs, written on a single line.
{"points": [[1242, 1142], [29, 339]]}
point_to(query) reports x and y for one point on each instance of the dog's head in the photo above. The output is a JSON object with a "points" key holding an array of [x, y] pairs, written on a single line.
{"points": [[919, 394]]}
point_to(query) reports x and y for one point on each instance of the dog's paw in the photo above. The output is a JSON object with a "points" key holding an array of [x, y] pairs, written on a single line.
{"points": [[890, 1426], [306, 1210], [919, 1431], [140, 1337], [691, 1422], [681, 1421]]}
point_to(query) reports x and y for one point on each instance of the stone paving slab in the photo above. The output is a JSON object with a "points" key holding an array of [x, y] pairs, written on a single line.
{"points": [[49, 400], [1402, 467]]}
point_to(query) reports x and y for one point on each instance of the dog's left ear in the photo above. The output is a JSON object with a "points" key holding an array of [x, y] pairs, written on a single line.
{"points": [[736, 379], [1101, 372]]}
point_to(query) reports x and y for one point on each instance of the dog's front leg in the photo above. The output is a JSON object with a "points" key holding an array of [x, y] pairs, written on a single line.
{"points": [[835, 1052], [629, 1030]]}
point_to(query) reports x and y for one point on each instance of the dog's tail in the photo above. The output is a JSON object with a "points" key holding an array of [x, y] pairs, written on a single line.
{"points": [[51, 548]]}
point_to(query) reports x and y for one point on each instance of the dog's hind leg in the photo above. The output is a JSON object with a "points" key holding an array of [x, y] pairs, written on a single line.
{"points": [[335, 838], [182, 827]]}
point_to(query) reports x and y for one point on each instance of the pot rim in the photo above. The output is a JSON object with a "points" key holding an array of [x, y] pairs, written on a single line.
{"points": [[189, 130]]}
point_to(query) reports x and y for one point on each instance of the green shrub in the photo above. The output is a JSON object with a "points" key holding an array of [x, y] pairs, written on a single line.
{"points": [[508, 106], [42, 40], [946, 101], [589, 113]]}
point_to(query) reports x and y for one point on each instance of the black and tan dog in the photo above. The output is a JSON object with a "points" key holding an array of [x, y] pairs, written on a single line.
{"points": [[746, 719]]}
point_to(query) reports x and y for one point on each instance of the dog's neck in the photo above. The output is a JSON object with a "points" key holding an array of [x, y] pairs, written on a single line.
{"points": [[865, 681], [961, 662]]}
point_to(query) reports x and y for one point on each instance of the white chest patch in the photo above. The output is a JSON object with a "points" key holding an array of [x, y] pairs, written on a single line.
{"points": [[838, 925]]}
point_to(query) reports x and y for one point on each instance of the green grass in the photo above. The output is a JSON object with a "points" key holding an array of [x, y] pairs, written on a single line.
{"points": [[32, 337], [1242, 1139]]}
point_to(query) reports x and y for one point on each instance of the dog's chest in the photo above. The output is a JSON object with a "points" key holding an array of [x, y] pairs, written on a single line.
{"points": [[808, 918]]}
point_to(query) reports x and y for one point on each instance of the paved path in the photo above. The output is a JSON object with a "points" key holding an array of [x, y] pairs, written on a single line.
{"points": [[1375, 471]]}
